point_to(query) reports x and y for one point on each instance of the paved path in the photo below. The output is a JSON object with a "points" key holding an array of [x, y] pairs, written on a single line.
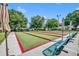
{"points": [[12, 46], [78, 44], [72, 47], [3, 49]]}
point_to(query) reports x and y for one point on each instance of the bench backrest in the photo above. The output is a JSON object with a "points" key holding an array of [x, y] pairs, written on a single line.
{"points": [[52, 50], [57, 47]]}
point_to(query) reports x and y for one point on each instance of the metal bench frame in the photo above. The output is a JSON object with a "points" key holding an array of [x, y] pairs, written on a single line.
{"points": [[58, 46]]}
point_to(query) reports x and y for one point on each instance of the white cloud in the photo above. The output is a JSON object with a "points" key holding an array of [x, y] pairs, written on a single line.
{"points": [[77, 8], [21, 9]]}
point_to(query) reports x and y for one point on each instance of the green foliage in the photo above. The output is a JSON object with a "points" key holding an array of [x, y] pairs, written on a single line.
{"points": [[37, 22], [52, 23], [74, 17], [2, 37], [17, 20], [67, 21]]}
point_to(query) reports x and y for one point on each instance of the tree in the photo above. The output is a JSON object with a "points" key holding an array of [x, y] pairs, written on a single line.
{"points": [[52, 23], [17, 20], [72, 17], [37, 22]]}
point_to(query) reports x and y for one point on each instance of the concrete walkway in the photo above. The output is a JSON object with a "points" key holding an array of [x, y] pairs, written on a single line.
{"points": [[72, 47], [13, 46], [78, 45], [3, 49]]}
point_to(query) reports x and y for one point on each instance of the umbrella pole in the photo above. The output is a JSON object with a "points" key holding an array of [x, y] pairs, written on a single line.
{"points": [[6, 44]]}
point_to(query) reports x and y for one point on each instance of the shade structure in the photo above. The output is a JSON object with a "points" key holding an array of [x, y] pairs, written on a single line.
{"points": [[4, 20], [4, 17]]}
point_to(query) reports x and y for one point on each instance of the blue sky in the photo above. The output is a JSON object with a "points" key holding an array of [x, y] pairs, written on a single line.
{"points": [[48, 10]]}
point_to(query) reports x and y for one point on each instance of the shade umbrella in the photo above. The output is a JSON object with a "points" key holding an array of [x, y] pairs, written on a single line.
{"points": [[5, 18], [5, 22]]}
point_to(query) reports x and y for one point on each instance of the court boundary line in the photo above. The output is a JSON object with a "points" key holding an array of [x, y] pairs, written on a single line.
{"points": [[21, 47], [38, 36]]}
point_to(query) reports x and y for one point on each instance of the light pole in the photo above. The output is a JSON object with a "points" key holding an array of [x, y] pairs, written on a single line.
{"points": [[62, 27], [58, 15], [45, 23], [70, 26]]}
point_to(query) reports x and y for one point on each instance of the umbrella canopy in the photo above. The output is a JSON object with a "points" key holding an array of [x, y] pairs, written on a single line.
{"points": [[0, 19], [4, 19]]}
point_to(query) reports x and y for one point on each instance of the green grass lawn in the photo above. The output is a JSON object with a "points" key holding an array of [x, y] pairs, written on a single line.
{"points": [[29, 41], [43, 35], [1, 37]]}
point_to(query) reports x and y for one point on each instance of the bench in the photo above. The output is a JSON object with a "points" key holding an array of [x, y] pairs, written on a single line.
{"points": [[56, 48], [73, 34], [52, 50]]}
